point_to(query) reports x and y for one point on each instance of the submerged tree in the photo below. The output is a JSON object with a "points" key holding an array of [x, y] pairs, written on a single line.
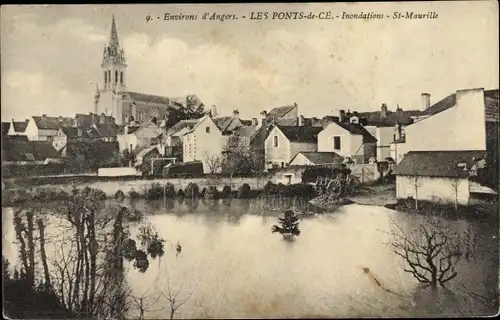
{"points": [[289, 224], [431, 251]]}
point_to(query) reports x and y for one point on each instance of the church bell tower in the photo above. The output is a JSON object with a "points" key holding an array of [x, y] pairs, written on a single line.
{"points": [[114, 79]]}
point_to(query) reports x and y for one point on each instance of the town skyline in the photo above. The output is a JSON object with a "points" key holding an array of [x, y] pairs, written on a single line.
{"points": [[246, 65]]}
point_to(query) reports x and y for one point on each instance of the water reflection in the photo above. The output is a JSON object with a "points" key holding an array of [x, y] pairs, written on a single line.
{"points": [[236, 267]]}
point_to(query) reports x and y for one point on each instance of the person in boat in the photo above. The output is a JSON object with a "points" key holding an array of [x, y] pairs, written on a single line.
{"points": [[179, 248]]}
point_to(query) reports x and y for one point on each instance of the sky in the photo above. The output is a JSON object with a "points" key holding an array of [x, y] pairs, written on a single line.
{"points": [[51, 55]]}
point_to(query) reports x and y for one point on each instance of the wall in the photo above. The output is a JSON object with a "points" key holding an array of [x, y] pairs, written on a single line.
{"points": [[296, 147], [117, 172], [31, 130], [125, 140], [301, 160], [384, 135], [433, 189], [365, 172], [398, 150], [459, 128], [203, 146], [278, 154], [325, 140]]}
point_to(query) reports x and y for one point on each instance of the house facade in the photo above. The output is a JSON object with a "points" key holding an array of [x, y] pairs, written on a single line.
{"points": [[437, 176], [348, 140], [284, 142], [45, 128], [204, 142], [133, 137], [460, 119]]}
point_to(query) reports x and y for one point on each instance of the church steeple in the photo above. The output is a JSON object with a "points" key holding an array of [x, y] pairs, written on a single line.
{"points": [[113, 61], [113, 38]]}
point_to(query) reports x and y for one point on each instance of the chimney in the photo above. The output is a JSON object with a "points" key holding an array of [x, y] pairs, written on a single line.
{"points": [[426, 101], [60, 119], [76, 122], [236, 114], [263, 116], [102, 118], [383, 111], [255, 122], [341, 115], [213, 111], [79, 131], [300, 120]]}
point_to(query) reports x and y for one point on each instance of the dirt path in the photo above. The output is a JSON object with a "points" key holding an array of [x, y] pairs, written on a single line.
{"points": [[377, 195]]}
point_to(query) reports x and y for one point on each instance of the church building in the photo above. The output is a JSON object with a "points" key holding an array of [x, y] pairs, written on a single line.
{"points": [[113, 98]]}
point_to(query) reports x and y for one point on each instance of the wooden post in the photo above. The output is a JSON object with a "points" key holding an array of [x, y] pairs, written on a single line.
{"points": [[362, 175]]}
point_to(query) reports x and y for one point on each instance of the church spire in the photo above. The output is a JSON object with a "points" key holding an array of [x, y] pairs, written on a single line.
{"points": [[113, 37]]}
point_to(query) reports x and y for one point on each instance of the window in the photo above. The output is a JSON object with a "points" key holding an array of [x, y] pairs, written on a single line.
{"points": [[121, 77], [116, 76], [30, 156], [336, 143], [105, 76], [207, 129], [275, 141]]}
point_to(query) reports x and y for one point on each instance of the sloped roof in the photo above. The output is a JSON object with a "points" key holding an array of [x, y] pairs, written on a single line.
{"points": [[5, 128], [437, 163], [181, 125], [223, 122], [440, 106], [142, 97], [72, 132], [279, 112], [20, 126], [87, 120], [303, 134], [106, 129], [131, 129], [321, 157], [356, 128], [391, 118], [52, 123], [29, 150]]}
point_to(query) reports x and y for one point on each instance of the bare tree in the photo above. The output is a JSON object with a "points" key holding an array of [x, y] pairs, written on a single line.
{"points": [[455, 184], [431, 251], [417, 183], [213, 161]]}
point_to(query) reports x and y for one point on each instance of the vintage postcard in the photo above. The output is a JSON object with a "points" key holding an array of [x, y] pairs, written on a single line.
{"points": [[293, 160]]}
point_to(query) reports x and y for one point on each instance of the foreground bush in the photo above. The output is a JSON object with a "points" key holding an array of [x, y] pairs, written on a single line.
{"points": [[133, 194], [155, 191], [212, 193], [226, 192], [244, 191], [192, 190], [169, 190]]}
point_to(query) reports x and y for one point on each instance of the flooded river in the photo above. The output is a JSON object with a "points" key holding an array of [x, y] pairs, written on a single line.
{"points": [[232, 265]]}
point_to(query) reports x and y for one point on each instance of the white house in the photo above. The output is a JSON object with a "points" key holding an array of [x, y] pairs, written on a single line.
{"points": [[284, 142], [204, 142], [457, 122], [347, 140], [437, 176], [45, 128], [141, 136]]}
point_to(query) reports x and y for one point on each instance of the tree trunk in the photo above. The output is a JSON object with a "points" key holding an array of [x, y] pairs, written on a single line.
{"points": [[19, 234], [93, 258], [43, 254], [31, 247]]}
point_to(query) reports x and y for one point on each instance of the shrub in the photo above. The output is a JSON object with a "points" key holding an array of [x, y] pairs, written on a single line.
{"points": [[98, 194], [203, 192], [155, 191], [119, 195], [226, 192], [133, 194], [212, 193], [270, 188], [181, 194], [169, 190], [244, 191], [192, 190]]}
